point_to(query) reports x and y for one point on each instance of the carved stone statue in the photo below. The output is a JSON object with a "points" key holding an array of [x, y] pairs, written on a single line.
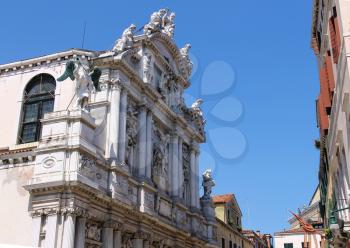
{"points": [[168, 24], [155, 23], [86, 81], [147, 68], [131, 134], [208, 183], [160, 159], [161, 21], [196, 107], [126, 41], [186, 58]]}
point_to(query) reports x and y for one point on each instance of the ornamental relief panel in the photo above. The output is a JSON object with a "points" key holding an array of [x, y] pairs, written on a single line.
{"points": [[93, 235], [87, 167]]}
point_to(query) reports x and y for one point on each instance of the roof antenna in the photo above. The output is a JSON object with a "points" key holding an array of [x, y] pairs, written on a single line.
{"points": [[83, 40]]}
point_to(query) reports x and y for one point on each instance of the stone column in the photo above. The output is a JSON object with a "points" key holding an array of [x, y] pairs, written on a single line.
{"points": [[36, 227], [68, 231], [107, 237], [180, 169], [51, 231], [80, 233], [175, 165], [113, 125], [197, 180], [142, 141], [117, 239], [194, 175], [149, 145], [122, 126]]}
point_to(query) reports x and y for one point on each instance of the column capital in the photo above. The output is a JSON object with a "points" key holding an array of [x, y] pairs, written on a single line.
{"points": [[45, 211], [75, 211], [142, 235], [116, 83], [118, 226]]}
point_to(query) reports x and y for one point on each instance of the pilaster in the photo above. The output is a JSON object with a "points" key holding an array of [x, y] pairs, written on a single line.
{"points": [[122, 125], [149, 153], [175, 165], [142, 141], [69, 231], [113, 123], [36, 226], [80, 232]]}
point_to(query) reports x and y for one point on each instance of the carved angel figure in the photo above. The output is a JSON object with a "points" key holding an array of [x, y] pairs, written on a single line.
{"points": [[155, 23], [86, 81], [207, 183], [126, 41]]}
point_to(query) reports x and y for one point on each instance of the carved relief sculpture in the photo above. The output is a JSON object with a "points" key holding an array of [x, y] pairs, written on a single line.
{"points": [[86, 81], [126, 41]]}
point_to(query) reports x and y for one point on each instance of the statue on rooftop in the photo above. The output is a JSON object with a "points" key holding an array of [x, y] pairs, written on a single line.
{"points": [[155, 23], [86, 81], [168, 24], [207, 183], [126, 41]]}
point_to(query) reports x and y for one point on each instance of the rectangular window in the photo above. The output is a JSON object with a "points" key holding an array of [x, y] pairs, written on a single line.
{"points": [[288, 245], [230, 244], [223, 243]]}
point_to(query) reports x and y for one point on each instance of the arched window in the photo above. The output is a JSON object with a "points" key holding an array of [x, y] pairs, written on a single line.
{"points": [[38, 99]]}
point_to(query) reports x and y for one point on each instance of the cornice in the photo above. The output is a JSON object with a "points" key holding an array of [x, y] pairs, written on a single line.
{"points": [[46, 60]]}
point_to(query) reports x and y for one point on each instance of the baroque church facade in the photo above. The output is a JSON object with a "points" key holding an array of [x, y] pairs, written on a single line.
{"points": [[98, 148]]}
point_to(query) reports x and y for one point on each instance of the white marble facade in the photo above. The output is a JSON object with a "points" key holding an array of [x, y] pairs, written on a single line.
{"points": [[122, 170]]}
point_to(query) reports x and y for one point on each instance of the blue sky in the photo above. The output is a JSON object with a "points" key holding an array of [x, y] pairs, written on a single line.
{"points": [[253, 67]]}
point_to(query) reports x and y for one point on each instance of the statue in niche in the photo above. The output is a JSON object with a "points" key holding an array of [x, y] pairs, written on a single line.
{"points": [[168, 24], [131, 134], [186, 58], [147, 68], [155, 23], [126, 41], [160, 159], [207, 183], [86, 81]]}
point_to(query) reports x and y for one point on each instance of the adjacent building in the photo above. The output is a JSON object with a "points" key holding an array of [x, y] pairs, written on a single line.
{"points": [[331, 44], [98, 148], [296, 236], [230, 233]]}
